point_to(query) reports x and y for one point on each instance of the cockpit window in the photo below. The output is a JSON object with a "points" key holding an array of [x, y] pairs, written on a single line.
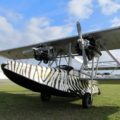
{"points": [[65, 67]]}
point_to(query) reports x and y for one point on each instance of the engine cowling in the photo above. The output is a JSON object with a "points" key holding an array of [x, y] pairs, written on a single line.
{"points": [[44, 53], [91, 49]]}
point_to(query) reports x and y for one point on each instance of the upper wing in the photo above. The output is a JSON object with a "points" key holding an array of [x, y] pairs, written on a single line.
{"points": [[109, 38]]}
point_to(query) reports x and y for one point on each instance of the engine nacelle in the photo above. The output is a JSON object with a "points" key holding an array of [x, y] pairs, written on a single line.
{"points": [[91, 49], [44, 53]]}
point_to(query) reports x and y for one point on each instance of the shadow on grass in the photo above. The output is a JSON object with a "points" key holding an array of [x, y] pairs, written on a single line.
{"points": [[30, 107]]}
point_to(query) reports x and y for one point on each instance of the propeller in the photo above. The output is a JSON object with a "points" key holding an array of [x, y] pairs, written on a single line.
{"points": [[81, 43]]}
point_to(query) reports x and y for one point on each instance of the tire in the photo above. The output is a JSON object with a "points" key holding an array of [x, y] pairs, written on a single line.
{"points": [[45, 97], [87, 100], [99, 93], [45, 61]]}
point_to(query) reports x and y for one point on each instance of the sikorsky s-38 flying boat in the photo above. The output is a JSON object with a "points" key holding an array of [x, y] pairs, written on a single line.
{"points": [[63, 80]]}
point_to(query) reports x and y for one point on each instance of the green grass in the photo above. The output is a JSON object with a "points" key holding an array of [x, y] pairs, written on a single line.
{"points": [[17, 103]]}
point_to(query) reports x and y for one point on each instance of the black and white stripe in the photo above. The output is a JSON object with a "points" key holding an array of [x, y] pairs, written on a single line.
{"points": [[52, 77]]}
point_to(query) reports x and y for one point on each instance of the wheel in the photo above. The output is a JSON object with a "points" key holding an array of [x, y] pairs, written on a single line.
{"points": [[45, 61], [99, 93], [87, 100], [45, 97]]}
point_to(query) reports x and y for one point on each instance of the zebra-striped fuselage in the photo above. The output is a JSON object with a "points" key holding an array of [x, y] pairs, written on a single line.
{"points": [[53, 77]]}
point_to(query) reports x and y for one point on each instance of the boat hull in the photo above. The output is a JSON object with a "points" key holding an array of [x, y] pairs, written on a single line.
{"points": [[52, 81], [34, 86]]}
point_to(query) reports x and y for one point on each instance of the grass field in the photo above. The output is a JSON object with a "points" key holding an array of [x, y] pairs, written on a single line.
{"points": [[17, 103]]}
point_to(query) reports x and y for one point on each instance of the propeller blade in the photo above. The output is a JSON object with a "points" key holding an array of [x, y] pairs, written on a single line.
{"points": [[79, 30]]}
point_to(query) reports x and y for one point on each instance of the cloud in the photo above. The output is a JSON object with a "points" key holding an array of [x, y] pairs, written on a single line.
{"points": [[36, 29], [81, 9], [8, 34], [109, 7], [115, 22], [11, 15], [40, 29]]}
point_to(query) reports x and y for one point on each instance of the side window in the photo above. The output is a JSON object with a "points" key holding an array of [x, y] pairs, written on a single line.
{"points": [[65, 67]]}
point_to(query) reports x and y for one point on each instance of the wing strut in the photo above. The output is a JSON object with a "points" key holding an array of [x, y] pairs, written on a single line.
{"points": [[69, 55], [109, 53], [92, 77]]}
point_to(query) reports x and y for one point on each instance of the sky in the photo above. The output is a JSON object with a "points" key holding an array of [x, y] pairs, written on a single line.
{"points": [[24, 22]]}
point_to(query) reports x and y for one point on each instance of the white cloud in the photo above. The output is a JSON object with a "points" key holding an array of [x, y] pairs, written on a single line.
{"points": [[37, 29], [14, 16], [8, 34], [109, 7], [81, 9], [40, 29], [115, 22], [11, 15]]}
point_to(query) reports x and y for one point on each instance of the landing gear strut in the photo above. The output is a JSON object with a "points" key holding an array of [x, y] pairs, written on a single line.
{"points": [[87, 100], [45, 97]]}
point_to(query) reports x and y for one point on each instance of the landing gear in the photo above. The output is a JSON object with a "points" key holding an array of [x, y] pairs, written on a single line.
{"points": [[45, 97], [87, 100]]}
